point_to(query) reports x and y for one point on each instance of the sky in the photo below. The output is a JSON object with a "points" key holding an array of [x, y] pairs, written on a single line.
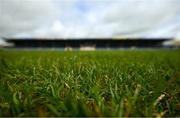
{"points": [[89, 18]]}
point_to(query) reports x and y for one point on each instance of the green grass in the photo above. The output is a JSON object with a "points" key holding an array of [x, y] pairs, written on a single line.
{"points": [[102, 83]]}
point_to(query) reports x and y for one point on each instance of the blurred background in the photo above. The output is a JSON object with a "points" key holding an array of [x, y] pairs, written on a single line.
{"points": [[90, 19]]}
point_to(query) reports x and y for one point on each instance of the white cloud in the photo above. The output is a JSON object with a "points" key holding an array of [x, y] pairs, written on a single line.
{"points": [[19, 16], [89, 18], [57, 27], [131, 16]]}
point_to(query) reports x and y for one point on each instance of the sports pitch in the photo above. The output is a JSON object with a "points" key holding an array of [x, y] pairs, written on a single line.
{"points": [[100, 83]]}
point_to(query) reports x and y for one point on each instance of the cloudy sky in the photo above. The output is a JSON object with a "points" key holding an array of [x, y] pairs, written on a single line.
{"points": [[89, 18]]}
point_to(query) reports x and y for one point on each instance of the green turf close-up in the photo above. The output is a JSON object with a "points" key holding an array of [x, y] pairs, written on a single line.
{"points": [[100, 83]]}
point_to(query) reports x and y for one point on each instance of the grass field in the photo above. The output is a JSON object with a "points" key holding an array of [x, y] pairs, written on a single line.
{"points": [[102, 83]]}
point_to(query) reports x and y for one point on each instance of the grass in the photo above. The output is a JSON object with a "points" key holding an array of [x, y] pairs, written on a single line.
{"points": [[102, 83]]}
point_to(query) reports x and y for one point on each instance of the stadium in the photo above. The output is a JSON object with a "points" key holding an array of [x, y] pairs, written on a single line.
{"points": [[87, 44], [90, 58]]}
